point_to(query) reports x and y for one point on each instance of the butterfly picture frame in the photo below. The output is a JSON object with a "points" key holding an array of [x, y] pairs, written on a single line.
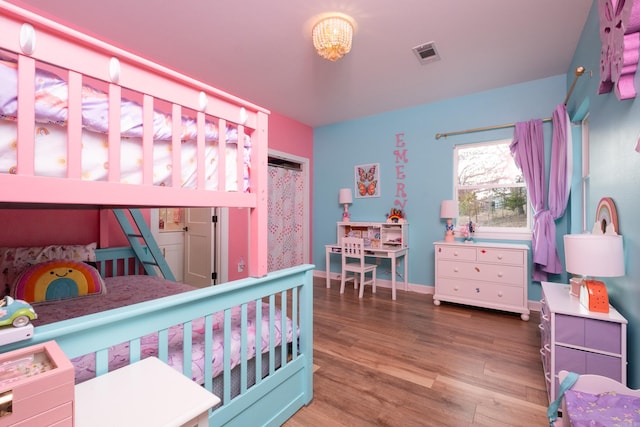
{"points": [[367, 180]]}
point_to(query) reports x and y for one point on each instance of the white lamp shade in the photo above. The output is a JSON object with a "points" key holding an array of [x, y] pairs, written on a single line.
{"points": [[594, 255], [345, 196], [449, 209]]}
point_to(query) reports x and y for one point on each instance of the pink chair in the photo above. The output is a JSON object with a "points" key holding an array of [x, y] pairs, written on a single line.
{"points": [[353, 262]]}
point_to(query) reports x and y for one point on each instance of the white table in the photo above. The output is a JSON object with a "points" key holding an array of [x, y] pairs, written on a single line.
{"points": [[392, 254], [145, 393]]}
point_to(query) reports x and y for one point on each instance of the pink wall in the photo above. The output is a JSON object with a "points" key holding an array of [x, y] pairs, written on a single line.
{"points": [[41, 227], [285, 135]]}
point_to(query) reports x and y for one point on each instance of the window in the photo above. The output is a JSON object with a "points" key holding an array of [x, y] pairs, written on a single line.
{"points": [[490, 190]]}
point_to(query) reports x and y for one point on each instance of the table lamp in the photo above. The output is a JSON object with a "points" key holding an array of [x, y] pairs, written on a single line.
{"points": [[593, 255], [449, 210], [345, 198]]}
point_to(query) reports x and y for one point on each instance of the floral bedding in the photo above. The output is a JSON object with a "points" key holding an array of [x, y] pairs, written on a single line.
{"points": [[126, 290], [609, 409]]}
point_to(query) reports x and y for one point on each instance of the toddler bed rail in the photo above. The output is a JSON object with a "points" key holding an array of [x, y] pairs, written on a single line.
{"points": [[273, 398]]}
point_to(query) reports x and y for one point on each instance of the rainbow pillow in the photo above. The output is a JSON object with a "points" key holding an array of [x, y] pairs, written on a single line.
{"points": [[58, 279]]}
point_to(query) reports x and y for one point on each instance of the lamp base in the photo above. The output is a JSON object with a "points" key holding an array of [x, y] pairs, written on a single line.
{"points": [[448, 237], [346, 217], [575, 283]]}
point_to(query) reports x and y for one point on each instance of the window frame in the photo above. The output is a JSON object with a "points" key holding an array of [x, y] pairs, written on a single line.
{"points": [[485, 232]]}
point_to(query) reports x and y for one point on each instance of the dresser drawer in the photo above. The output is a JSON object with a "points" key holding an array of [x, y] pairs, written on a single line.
{"points": [[460, 253], [500, 256], [586, 362], [590, 333], [59, 416], [506, 274], [485, 292]]}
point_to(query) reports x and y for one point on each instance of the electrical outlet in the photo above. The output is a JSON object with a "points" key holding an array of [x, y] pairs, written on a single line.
{"points": [[241, 265]]}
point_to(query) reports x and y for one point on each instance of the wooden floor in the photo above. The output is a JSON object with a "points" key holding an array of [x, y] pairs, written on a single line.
{"points": [[409, 363]]}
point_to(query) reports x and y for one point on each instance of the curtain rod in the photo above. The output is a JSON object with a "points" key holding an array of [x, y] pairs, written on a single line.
{"points": [[579, 72]]}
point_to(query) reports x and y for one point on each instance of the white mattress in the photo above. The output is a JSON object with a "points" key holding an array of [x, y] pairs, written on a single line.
{"points": [[51, 146], [51, 136]]}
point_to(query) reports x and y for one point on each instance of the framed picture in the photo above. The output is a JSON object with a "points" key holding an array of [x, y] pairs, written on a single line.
{"points": [[367, 179]]}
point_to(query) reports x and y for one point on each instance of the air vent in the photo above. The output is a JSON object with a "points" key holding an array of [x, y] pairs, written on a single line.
{"points": [[426, 52]]}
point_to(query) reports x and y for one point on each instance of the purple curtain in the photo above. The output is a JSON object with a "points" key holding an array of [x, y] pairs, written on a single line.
{"points": [[559, 180], [527, 149]]}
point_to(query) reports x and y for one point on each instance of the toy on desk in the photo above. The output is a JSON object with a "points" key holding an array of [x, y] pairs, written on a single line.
{"points": [[396, 216], [16, 312]]}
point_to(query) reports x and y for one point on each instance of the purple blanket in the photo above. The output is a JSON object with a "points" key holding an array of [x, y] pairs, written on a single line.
{"points": [[607, 409], [126, 290]]}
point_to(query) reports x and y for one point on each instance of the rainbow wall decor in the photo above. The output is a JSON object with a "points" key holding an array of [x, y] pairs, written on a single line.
{"points": [[58, 279]]}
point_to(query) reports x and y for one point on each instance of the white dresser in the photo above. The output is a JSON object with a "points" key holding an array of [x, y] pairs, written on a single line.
{"points": [[483, 275]]}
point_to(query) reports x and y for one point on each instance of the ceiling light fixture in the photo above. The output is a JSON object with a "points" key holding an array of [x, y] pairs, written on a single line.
{"points": [[332, 36]]}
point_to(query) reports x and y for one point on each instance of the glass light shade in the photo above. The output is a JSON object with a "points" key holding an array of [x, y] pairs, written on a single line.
{"points": [[345, 196], [594, 255], [332, 37], [449, 209]]}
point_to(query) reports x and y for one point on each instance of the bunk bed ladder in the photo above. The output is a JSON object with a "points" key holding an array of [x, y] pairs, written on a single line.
{"points": [[148, 253]]}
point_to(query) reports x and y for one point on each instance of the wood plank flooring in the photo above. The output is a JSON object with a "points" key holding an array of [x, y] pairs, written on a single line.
{"points": [[409, 363]]}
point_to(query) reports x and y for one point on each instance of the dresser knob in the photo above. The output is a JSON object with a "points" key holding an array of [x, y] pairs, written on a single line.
{"points": [[499, 257], [455, 288], [500, 294], [455, 253], [455, 270], [500, 274]]}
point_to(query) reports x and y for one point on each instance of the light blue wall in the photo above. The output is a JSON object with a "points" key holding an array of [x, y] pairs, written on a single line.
{"points": [[615, 167], [429, 170], [615, 173]]}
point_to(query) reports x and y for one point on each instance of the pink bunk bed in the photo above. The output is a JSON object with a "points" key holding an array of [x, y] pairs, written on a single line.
{"points": [[89, 125]]}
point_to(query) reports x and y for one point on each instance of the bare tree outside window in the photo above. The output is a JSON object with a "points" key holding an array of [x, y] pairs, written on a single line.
{"points": [[490, 188]]}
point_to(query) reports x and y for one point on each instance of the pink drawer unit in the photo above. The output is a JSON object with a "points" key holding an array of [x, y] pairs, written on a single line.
{"points": [[36, 387]]}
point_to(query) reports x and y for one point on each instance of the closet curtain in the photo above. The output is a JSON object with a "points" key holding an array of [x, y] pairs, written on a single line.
{"points": [[527, 149], [285, 217]]}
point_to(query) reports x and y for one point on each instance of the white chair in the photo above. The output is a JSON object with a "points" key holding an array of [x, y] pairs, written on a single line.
{"points": [[353, 262]]}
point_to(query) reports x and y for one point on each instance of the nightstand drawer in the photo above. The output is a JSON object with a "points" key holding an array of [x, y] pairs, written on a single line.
{"points": [[58, 416], [456, 253], [585, 362], [595, 334], [506, 274]]}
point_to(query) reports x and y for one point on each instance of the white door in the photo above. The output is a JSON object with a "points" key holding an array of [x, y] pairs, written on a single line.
{"points": [[169, 234], [199, 247]]}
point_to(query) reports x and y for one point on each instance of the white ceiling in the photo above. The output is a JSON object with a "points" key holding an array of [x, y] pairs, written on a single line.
{"points": [[261, 50]]}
